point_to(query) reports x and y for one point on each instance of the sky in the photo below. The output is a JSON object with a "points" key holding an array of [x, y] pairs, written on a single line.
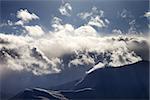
{"points": [[105, 16]]}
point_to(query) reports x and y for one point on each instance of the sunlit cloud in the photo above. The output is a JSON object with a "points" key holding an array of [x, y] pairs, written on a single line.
{"points": [[147, 14], [117, 31], [56, 23], [34, 31], [98, 22], [88, 14], [65, 9], [25, 16], [94, 17], [84, 15], [20, 22]]}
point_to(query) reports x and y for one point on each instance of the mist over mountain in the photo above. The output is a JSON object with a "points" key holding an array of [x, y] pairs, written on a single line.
{"points": [[51, 55]]}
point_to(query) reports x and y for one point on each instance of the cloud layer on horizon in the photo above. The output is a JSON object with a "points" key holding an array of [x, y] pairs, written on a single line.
{"points": [[44, 55]]}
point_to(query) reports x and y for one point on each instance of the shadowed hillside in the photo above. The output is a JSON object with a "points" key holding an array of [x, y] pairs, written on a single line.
{"points": [[127, 82]]}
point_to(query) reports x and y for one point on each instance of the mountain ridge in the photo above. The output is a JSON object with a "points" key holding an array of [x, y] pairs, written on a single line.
{"points": [[129, 82]]}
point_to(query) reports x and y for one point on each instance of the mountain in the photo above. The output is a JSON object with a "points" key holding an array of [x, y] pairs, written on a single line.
{"points": [[129, 81], [125, 82]]}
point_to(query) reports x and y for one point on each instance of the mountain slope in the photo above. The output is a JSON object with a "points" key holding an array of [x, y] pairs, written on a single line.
{"points": [[127, 82]]}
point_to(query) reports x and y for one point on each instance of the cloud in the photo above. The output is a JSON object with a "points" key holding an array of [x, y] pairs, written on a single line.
{"points": [[20, 22], [141, 48], [3, 24], [65, 9], [132, 30], [83, 45], [84, 15], [132, 27], [117, 31], [147, 14], [94, 17], [56, 20], [25, 16], [106, 21], [82, 59], [25, 56], [94, 12], [57, 24], [130, 19], [97, 21], [124, 13], [34, 31], [85, 31], [8, 23]]}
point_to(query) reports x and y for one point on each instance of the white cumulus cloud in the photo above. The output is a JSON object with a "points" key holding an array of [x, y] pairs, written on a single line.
{"points": [[34, 31], [20, 22], [57, 24], [65, 9], [25, 16], [18, 53], [147, 14]]}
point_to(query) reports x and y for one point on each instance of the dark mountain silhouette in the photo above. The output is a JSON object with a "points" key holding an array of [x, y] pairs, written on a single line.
{"points": [[125, 82]]}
